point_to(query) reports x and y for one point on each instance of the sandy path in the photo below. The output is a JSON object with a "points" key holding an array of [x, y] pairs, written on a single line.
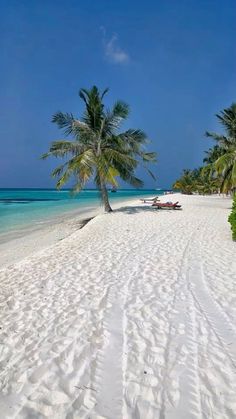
{"points": [[131, 317]]}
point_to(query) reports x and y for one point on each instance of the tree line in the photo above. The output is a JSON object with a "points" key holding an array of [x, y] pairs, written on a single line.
{"points": [[218, 172]]}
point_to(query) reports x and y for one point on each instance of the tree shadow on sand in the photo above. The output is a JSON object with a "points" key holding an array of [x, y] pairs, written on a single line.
{"points": [[135, 210]]}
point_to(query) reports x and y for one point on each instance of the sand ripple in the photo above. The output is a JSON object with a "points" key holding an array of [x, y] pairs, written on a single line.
{"points": [[131, 317]]}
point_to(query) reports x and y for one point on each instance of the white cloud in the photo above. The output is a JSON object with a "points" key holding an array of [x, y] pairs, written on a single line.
{"points": [[113, 52]]}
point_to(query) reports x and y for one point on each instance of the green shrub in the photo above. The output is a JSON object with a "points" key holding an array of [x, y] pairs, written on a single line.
{"points": [[232, 218]]}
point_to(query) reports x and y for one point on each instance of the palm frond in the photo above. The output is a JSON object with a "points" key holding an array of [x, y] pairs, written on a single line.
{"points": [[217, 137], [223, 162], [132, 180], [120, 110], [149, 157], [64, 121], [150, 173], [84, 95], [77, 187], [104, 92], [112, 119], [227, 118], [63, 179], [59, 170], [233, 174], [117, 157], [132, 136], [61, 148]]}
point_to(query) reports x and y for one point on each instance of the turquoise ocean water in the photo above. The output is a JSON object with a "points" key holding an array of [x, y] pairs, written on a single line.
{"points": [[20, 208]]}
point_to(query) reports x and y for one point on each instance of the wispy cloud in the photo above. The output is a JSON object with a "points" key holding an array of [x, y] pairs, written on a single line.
{"points": [[113, 52]]}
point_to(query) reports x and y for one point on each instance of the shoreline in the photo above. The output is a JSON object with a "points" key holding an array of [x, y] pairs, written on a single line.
{"points": [[19, 244], [15, 246]]}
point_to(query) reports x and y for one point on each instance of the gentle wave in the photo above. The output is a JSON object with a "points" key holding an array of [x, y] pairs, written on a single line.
{"points": [[25, 207]]}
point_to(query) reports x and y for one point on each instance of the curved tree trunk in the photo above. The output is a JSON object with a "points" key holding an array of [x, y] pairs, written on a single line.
{"points": [[104, 194]]}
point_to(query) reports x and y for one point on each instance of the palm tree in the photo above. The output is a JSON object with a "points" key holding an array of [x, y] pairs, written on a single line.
{"points": [[98, 150], [205, 182], [225, 151], [213, 154], [186, 183], [197, 180]]}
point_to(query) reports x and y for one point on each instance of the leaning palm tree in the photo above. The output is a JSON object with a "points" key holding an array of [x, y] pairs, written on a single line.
{"points": [[223, 156], [98, 149]]}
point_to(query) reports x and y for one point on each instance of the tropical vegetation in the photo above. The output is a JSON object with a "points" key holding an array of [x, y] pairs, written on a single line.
{"points": [[197, 181], [223, 154], [97, 149], [218, 173], [232, 219]]}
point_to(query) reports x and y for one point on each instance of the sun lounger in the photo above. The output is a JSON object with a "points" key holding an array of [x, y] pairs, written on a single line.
{"points": [[149, 199], [168, 205]]}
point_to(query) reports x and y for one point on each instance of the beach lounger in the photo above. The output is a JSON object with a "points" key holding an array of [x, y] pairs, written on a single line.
{"points": [[149, 199], [167, 205]]}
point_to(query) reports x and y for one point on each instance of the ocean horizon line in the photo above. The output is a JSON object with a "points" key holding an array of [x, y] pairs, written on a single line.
{"points": [[84, 189]]}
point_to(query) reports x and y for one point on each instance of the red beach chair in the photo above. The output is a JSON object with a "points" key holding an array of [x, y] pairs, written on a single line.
{"points": [[168, 205]]}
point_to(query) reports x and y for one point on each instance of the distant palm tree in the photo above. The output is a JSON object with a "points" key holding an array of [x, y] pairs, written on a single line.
{"points": [[98, 150], [205, 182], [223, 156], [197, 180], [186, 183]]}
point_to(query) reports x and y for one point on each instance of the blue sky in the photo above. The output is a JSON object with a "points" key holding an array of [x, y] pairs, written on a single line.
{"points": [[173, 61]]}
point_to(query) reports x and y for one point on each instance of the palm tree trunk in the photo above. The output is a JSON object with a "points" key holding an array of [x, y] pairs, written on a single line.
{"points": [[104, 194]]}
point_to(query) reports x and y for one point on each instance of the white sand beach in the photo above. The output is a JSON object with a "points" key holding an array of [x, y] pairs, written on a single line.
{"points": [[133, 316]]}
